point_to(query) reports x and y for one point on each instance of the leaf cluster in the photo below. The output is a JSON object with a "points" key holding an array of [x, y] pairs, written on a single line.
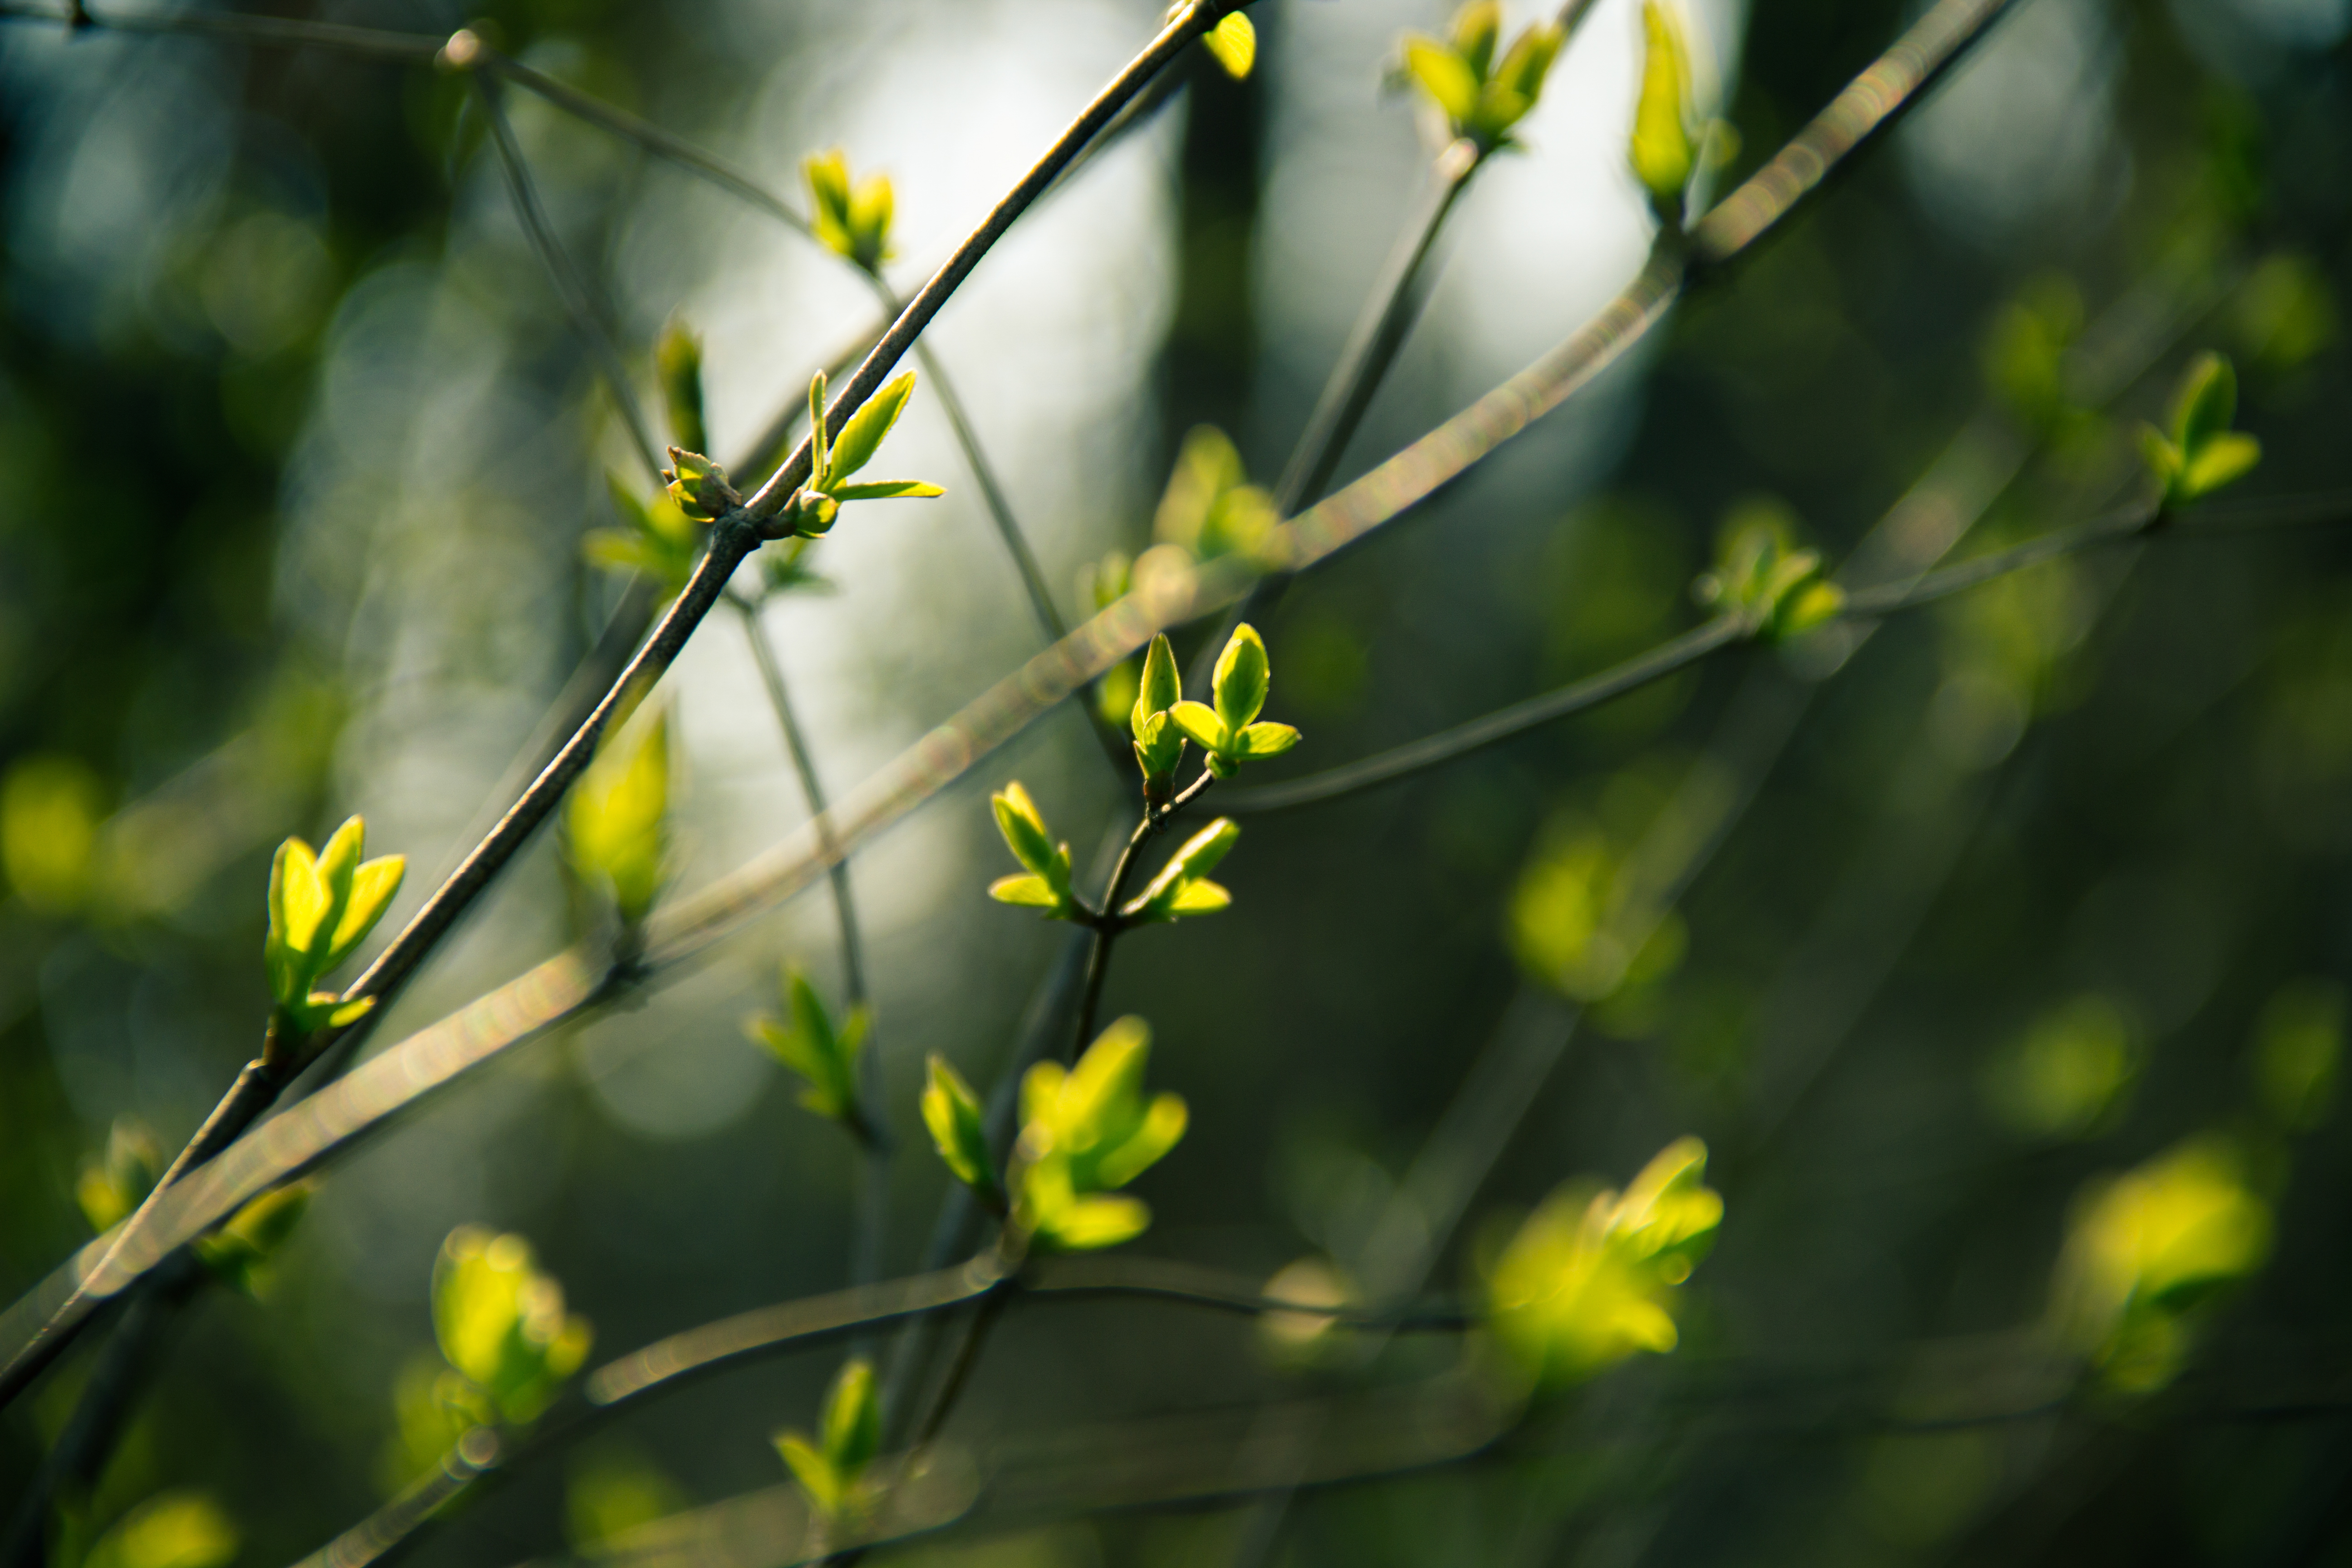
{"points": [[2198, 453], [850, 219], [2146, 1251], [1775, 590], [502, 1325], [803, 1037], [1589, 1278], [835, 457], [322, 905], [1085, 1132], [1481, 96], [831, 1465]]}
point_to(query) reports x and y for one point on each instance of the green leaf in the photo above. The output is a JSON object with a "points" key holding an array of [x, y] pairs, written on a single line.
{"points": [[861, 437], [1090, 1224], [1162, 687], [2206, 404], [1157, 752], [2164, 460], [1521, 74], [617, 820], [1200, 724], [1018, 818], [1242, 677], [820, 443], [2222, 459], [871, 207], [1476, 28], [1026, 891], [1207, 467], [373, 886], [1162, 1129], [1448, 79], [1199, 897], [806, 1041], [853, 1420], [888, 489], [678, 365], [1197, 858], [172, 1529], [827, 174], [957, 1128], [299, 902], [1259, 741], [825, 1488], [1661, 148], [1233, 40], [237, 1252], [501, 1322]]}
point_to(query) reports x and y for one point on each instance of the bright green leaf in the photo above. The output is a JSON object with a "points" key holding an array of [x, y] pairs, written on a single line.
{"points": [[957, 1127], [1242, 677], [888, 489], [1261, 741], [1661, 149], [861, 437], [1448, 79], [1200, 724], [1233, 40], [2231, 454]]}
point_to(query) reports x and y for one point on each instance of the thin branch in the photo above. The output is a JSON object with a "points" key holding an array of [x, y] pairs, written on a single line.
{"points": [[278, 31], [662, 144], [579, 300], [1464, 740], [1673, 657], [486, 1455]]}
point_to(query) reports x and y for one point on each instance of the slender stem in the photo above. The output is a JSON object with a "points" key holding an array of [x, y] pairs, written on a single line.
{"points": [[1371, 347], [571, 287], [871, 1231], [488, 1456], [1108, 923], [73, 1466], [285, 32], [2121, 527], [662, 144]]}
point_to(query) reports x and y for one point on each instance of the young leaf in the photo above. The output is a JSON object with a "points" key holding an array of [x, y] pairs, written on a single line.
{"points": [[820, 443], [1448, 79], [2229, 456], [825, 1488], [852, 1427], [1200, 724], [861, 437], [2206, 402], [1167, 896], [373, 885], [617, 821], [677, 364], [1090, 1224], [1162, 687], [1233, 41], [1262, 741], [952, 1113], [1476, 28], [1023, 828], [886, 489], [1025, 890], [1242, 677], [1661, 147]]}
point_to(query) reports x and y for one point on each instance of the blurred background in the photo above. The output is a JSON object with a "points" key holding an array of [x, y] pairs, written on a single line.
{"points": [[1925, 935]]}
